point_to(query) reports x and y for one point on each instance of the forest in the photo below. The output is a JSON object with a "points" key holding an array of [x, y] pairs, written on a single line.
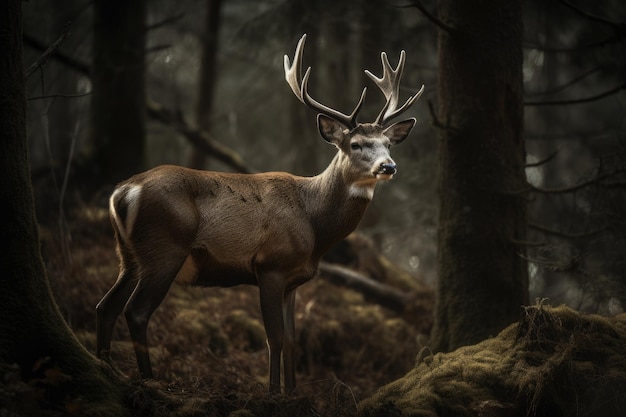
{"points": [[487, 278]]}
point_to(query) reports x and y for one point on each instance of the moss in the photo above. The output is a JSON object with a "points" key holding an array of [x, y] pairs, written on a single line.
{"points": [[241, 326], [535, 367], [197, 330]]}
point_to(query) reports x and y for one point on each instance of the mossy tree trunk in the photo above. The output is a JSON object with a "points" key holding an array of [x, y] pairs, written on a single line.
{"points": [[483, 281], [33, 334], [118, 105]]}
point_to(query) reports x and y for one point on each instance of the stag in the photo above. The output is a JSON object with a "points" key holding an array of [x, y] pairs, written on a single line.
{"points": [[202, 228]]}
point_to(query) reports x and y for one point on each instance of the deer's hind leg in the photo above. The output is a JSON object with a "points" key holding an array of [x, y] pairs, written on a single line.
{"points": [[111, 305], [147, 296]]}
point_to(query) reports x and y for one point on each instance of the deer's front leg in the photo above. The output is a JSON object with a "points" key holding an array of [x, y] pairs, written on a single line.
{"points": [[271, 291]]}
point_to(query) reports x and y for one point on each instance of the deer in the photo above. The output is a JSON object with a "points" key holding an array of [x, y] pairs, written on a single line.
{"points": [[207, 229]]}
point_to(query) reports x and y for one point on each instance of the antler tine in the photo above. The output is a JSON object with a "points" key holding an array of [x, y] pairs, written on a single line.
{"points": [[299, 86], [389, 84], [348, 120], [293, 73], [389, 114]]}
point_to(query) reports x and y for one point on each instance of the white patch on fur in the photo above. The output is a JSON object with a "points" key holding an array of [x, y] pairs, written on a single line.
{"points": [[131, 199], [362, 190], [119, 226], [132, 202], [384, 177]]}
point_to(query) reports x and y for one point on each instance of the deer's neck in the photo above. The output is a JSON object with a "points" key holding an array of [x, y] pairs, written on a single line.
{"points": [[336, 202]]}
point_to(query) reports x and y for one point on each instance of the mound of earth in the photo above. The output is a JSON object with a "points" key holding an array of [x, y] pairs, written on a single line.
{"points": [[554, 362]]}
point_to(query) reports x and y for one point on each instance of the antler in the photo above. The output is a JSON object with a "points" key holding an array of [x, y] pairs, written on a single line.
{"points": [[389, 84], [299, 86]]}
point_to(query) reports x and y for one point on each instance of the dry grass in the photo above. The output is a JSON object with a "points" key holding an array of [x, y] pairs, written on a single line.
{"points": [[208, 345]]}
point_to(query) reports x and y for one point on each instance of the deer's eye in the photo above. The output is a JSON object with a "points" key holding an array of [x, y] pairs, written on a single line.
{"points": [[355, 146]]}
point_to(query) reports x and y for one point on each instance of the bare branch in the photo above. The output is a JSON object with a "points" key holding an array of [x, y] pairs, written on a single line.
{"points": [[587, 136], [47, 53], [617, 37], [526, 243], [432, 18], [165, 21], [564, 235], [588, 15], [157, 48], [198, 137], [569, 189], [573, 188], [615, 184], [563, 190], [67, 60], [569, 83], [578, 101], [568, 49], [569, 265], [59, 96], [436, 122], [543, 161]]}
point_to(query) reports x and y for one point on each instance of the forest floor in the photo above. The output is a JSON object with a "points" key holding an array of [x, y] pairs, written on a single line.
{"points": [[208, 344], [353, 356]]}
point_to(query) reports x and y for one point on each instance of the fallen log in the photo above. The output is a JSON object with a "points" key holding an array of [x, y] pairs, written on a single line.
{"points": [[382, 294]]}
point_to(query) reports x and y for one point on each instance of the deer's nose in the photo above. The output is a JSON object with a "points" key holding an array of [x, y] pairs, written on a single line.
{"points": [[388, 168]]}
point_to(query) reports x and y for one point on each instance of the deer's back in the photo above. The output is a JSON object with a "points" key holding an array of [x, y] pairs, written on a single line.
{"points": [[229, 226]]}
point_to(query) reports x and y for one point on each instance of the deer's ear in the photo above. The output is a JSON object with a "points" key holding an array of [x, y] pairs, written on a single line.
{"points": [[331, 130], [397, 132]]}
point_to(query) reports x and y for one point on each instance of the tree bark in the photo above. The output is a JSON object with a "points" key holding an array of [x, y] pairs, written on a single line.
{"points": [[483, 281], [119, 97], [207, 76], [33, 334]]}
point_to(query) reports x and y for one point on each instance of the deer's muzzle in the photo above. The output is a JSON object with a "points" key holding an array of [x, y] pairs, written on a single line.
{"points": [[387, 169]]}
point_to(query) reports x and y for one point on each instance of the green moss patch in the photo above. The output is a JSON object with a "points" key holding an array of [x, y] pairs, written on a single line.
{"points": [[553, 362]]}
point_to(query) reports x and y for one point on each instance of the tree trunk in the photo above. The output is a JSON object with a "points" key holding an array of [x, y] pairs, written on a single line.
{"points": [[118, 98], [300, 118], [208, 76], [483, 281], [33, 334]]}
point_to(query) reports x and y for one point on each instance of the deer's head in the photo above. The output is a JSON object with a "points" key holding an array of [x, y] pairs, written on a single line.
{"points": [[363, 147]]}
